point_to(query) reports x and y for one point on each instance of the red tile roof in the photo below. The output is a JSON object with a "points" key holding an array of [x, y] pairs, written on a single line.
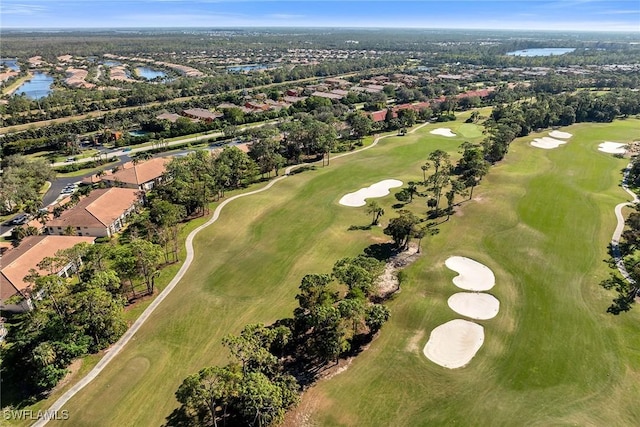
{"points": [[140, 173], [16, 263], [100, 209]]}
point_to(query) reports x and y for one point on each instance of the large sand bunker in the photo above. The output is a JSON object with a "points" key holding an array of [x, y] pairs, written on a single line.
{"points": [[379, 189], [443, 132], [612, 147], [453, 344], [560, 134], [473, 275], [547, 143], [474, 305]]}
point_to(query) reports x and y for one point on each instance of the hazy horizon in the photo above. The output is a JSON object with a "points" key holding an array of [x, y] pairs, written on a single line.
{"points": [[526, 15]]}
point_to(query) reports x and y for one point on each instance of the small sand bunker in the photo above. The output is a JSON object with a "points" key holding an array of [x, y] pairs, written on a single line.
{"points": [[453, 344], [473, 275], [612, 147], [560, 134], [443, 132], [379, 189], [547, 143], [474, 305]]}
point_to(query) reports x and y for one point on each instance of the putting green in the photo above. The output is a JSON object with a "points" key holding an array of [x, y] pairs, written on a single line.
{"points": [[468, 130], [541, 222]]}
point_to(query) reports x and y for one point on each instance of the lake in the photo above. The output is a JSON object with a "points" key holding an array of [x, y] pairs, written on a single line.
{"points": [[543, 51], [38, 87], [11, 64], [150, 73]]}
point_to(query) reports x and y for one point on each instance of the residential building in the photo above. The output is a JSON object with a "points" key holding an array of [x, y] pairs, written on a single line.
{"points": [[101, 213], [140, 176], [172, 117], [201, 114], [19, 262]]}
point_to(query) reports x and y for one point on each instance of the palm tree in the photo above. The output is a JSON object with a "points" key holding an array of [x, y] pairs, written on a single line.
{"points": [[425, 168], [375, 210], [412, 189], [42, 216]]}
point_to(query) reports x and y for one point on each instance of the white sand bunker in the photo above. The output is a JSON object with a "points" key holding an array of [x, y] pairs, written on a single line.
{"points": [[475, 306], [559, 134], [453, 344], [443, 132], [473, 275], [547, 143], [378, 189], [612, 147]]}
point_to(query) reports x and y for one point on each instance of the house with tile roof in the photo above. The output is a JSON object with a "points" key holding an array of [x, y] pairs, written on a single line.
{"points": [[102, 213], [139, 176], [17, 263]]}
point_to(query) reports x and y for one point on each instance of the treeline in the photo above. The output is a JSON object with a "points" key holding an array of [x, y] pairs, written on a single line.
{"points": [[74, 316], [270, 365], [508, 122], [20, 183], [627, 289]]}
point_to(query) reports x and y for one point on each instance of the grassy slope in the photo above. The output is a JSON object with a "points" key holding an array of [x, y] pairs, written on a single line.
{"points": [[249, 265], [551, 356]]}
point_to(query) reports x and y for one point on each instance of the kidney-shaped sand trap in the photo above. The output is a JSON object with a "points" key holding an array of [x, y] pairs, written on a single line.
{"points": [[473, 275], [560, 134], [474, 305], [612, 147], [443, 132], [453, 344], [378, 189], [547, 143]]}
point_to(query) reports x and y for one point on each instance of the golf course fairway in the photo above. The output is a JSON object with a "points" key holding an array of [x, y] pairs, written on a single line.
{"points": [[540, 220]]}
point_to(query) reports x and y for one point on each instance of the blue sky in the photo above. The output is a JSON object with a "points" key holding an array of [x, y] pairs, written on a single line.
{"points": [[567, 15]]}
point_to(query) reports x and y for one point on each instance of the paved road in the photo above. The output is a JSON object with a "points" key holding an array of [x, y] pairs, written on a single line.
{"points": [[130, 151], [113, 351]]}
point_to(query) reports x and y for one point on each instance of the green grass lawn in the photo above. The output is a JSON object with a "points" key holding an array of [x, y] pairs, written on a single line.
{"points": [[552, 356], [541, 222]]}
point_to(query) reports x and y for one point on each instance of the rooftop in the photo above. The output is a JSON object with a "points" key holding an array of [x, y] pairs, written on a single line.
{"points": [[99, 209], [16, 263]]}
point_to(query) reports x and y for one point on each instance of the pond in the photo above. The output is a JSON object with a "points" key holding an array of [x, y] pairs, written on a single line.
{"points": [[38, 87], [138, 132], [12, 64], [112, 63], [543, 51], [150, 73], [249, 67]]}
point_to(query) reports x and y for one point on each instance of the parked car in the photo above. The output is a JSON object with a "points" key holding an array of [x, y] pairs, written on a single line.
{"points": [[20, 219]]}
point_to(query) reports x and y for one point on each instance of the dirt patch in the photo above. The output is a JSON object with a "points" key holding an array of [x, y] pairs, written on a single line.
{"points": [[388, 282], [73, 370], [413, 344]]}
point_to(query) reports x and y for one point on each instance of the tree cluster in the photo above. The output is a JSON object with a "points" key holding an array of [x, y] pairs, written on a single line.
{"points": [[508, 122], [20, 183], [73, 316], [270, 364]]}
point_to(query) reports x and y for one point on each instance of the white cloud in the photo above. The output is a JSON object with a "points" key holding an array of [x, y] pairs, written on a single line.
{"points": [[21, 9]]}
